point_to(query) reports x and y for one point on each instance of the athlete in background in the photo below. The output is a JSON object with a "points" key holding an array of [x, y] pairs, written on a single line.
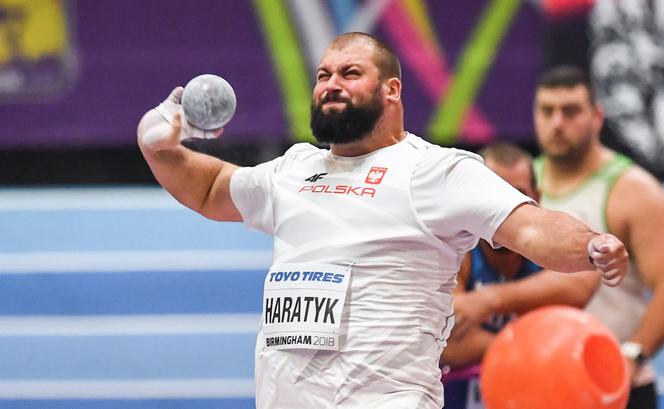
{"points": [[580, 176], [605, 190]]}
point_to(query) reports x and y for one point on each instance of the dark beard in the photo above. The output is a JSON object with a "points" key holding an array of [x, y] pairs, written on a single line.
{"points": [[348, 125], [573, 157]]}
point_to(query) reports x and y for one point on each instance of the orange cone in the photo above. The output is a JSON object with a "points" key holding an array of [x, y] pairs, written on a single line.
{"points": [[554, 358]]}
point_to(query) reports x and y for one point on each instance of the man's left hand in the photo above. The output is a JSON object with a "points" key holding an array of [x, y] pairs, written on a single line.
{"points": [[609, 256]]}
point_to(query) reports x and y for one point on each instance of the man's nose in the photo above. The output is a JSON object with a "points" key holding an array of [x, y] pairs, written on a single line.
{"points": [[557, 119], [332, 85]]}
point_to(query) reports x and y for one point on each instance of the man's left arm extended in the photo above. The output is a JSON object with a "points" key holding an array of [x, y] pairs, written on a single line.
{"points": [[557, 241]]}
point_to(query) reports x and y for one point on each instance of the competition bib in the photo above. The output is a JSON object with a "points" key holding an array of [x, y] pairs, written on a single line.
{"points": [[302, 305]]}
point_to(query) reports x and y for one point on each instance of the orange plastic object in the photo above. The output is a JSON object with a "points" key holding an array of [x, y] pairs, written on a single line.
{"points": [[554, 358]]}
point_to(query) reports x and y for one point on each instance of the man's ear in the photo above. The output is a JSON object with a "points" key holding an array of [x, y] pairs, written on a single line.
{"points": [[393, 88], [599, 117]]}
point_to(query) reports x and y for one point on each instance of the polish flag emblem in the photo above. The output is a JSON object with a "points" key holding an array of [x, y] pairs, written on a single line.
{"points": [[375, 175]]}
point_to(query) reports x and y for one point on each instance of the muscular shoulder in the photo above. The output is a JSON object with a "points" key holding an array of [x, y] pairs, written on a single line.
{"points": [[635, 193], [635, 179], [635, 188], [438, 167], [439, 161]]}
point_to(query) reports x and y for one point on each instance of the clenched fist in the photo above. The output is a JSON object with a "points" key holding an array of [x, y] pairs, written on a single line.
{"points": [[609, 256]]}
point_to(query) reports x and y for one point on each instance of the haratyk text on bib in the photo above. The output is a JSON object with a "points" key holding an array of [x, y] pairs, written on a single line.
{"points": [[302, 305]]}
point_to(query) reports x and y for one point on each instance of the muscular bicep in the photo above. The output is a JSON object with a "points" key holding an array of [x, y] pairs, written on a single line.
{"points": [[553, 240], [251, 191], [219, 204], [519, 228]]}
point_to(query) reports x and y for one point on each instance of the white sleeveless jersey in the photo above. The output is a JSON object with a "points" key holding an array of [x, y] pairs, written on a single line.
{"points": [[622, 307], [402, 217]]}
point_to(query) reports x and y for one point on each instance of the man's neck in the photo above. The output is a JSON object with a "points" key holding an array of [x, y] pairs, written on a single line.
{"points": [[377, 139], [560, 177]]}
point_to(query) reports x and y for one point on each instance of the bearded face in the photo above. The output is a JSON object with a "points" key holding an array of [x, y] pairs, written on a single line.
{"points": [[350, 123], [566, 122]]}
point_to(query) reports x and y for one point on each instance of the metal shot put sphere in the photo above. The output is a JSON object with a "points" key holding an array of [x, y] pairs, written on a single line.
{"points": [[208, 102]]}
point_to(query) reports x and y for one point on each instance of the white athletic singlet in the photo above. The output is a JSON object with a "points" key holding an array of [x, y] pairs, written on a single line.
{"points": [[588, 204], [402, 217]]}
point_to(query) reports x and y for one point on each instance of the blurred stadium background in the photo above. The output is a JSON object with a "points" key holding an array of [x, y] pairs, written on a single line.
{"points": [[114, 296]]}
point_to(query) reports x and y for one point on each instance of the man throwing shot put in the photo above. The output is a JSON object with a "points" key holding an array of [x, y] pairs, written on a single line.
{"points": [[369, 235]]}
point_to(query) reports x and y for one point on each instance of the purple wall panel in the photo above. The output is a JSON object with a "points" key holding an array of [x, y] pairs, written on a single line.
{"points": [[127, 56]]}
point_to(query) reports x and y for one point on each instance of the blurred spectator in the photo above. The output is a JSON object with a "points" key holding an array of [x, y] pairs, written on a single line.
{"points": [[605, 190], [483, 308]]}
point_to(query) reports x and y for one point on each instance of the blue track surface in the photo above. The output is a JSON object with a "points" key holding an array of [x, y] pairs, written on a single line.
{"points": [[131, 366], [150, 292], [130, 404]]}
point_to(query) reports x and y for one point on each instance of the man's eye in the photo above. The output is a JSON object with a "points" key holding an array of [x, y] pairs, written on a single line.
{"points": [[571, 111]]}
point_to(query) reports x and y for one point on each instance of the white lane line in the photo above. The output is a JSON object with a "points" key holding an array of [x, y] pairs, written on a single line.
{"points": [[128, 389], [133, 261], [87, 198], [129, 325]]}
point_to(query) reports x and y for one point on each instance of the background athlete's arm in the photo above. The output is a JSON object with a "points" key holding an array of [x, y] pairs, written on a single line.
{"points": [[636, 212], [200, 182], [559, 242], [540, 289], [468, 349]]}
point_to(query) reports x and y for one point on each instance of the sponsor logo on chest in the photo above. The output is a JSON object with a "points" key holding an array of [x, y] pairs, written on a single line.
{"points": [[317, 185]]}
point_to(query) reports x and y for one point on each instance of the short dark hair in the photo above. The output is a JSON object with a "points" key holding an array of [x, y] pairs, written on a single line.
{"points": [[567, 76], [508, 154], [386, 59]]}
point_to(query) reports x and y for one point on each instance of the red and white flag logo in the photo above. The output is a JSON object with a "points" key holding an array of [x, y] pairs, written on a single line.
{"points": [[375, 175]]}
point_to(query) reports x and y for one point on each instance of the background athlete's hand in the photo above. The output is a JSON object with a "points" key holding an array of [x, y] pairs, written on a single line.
{"points": [[470, 310], [609, 256], [163, 127]]}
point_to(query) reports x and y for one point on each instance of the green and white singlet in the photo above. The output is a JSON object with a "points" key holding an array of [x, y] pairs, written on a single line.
{"points": [[621, 308]]}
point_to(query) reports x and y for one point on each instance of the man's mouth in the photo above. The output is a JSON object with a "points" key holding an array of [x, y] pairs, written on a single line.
{"points": [[334, 103]]}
